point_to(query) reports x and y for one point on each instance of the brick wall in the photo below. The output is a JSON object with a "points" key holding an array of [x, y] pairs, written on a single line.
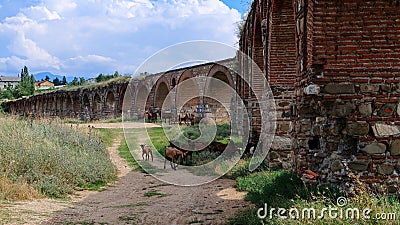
{"points": [[346, 54], [350, 129]]}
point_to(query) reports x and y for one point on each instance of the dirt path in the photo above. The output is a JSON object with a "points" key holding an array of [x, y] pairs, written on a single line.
{"points": [[138, 198]]}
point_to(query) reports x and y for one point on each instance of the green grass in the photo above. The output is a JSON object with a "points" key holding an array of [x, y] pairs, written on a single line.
{"points": [[125, 153], [160, 185], [51, 158], [284, 189], [113, 120], [214, 212], [152, 193], [158, 138], [74, 121], [131, 205], [108, 135], [127, 219], [196, 221]]}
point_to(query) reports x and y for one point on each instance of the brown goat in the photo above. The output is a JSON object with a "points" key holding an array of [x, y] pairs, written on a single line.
{"points": [[146, 150], [173, 154]]}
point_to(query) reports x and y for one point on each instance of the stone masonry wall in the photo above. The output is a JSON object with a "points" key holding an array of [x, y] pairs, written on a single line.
{"points": [[350, 129]]}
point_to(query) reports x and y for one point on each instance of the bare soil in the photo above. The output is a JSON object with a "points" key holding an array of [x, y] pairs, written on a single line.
{"points": [[136, 198]]}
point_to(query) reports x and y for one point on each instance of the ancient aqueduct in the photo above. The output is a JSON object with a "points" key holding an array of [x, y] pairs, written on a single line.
{"points": [[334, 69]]}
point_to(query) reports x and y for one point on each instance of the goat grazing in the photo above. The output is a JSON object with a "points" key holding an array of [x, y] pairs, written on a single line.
{"points": [[146, 150], [173, 154], [188, 154]]}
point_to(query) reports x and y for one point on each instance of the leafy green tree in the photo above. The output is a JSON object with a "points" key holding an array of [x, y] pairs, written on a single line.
{"points": [[116, 74], [100, 78], [25, 87], [75, 82], [56, 81], [64, 81], [47, 78], [82, 81]]}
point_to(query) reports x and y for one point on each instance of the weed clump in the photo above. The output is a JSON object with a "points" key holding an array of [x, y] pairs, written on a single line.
{"points": [[51, 158]]}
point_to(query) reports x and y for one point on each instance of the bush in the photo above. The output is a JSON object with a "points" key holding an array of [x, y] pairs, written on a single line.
{"points": [[52, 158], [273, 188]]}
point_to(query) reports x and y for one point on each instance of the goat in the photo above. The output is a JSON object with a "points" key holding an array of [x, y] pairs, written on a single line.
{"points": [[173, 154], [188, 154], [146, 150]]}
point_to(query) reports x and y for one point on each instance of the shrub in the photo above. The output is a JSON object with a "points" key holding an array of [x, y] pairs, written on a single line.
{"points": [[51, 157]]}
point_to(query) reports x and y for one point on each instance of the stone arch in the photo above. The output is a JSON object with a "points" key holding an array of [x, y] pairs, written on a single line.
{"points": [[126, 90], [109, 106], [59, 105], [220, 94], [97, 106], [67, 105], [142, 100], [187, 92], [161, 91], [173, 82], [86, 112], [77, 104]]}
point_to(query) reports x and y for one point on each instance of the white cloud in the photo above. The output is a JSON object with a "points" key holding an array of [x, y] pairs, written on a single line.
{"points": [[40, 13], [89, 37]]}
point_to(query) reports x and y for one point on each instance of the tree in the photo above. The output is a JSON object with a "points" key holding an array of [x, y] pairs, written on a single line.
{"points": [[64, 81], [25, 87], [82, 81], [56, 81], [100, 78], [75, 82], [47, 78], [116, 74]]}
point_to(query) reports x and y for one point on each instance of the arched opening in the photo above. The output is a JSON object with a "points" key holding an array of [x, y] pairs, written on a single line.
{"points": [[173, 82], [86, 108], [142, 103], [109, 108], [187, 96], [161, 94], [218, 96], [59, 107], [76, 105], [258, 67], [97, 107], [126, 101], [68, 106]]}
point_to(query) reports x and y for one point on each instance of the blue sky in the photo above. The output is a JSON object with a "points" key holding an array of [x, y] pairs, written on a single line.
{"points": [[85, 38]]}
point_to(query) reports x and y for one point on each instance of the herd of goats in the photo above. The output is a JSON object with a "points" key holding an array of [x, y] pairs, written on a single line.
{"points": [[184, 154], [152, 116]]}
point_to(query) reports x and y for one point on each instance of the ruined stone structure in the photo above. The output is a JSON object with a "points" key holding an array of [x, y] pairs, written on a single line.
{"points": [[102, 101], [334, 70]]}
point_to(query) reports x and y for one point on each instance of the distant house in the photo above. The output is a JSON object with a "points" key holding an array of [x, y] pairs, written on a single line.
{"points": [[5, 81], [43, 85], [91, 81]]}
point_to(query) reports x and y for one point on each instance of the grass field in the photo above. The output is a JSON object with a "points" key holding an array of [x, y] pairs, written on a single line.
{"points": [[284, 189], [50, 159]]}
